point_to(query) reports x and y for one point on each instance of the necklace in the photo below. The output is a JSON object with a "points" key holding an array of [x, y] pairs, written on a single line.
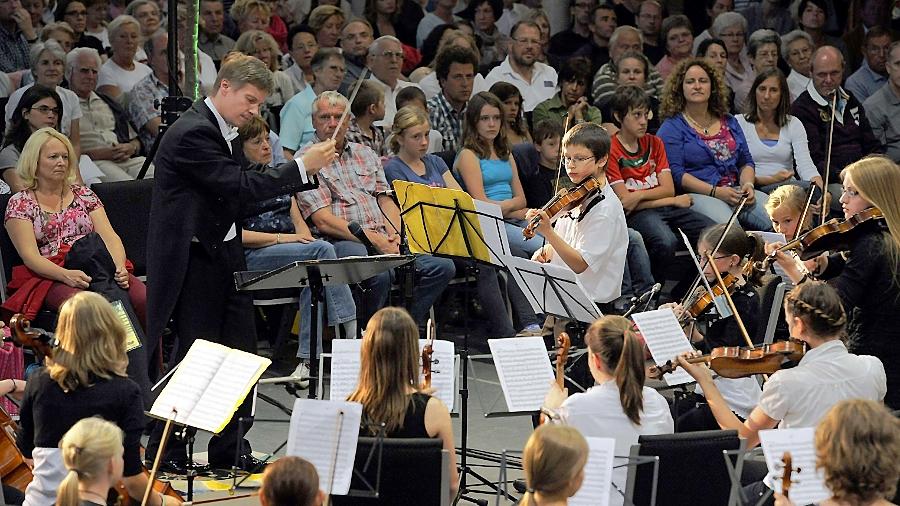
{"points": [[696, 124], [48, 217]]}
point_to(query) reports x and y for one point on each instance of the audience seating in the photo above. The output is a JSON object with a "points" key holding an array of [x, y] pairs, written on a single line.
{"points": [[127, 205]]}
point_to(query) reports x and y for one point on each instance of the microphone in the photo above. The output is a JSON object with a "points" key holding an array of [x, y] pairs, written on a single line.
{"points": [[643, 299], [360, 235]]}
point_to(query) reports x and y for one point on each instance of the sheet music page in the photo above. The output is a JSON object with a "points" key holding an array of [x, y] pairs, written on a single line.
{"points": [[515, 266], [345, 366], [319, 430], [494, 231], [235, 378], [442, 368], [807, 485], [187, 385], [666, 340], [595, 490], [542, 296], [524, 371]]}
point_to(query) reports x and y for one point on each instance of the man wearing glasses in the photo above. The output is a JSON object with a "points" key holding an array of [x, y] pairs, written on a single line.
{"points": [[385, 60], [536, 81]]}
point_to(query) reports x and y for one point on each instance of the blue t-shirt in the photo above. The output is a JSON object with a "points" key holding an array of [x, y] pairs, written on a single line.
{"points": [[496, 176], [395, 168]]}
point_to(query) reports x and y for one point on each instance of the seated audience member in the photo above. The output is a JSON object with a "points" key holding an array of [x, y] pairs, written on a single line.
{"points": [[144, 99], [553, 462], [638, 171], [86, 377], [772, 14], [409, 142], [456, 71], [98, 15], [494, 44], [121, 71], [631, 70], [626, 39], [210, 38], [45, 219], [826, 375], [731, 27], [619, 405], [514, 123], [451, 37], [715, 52], [48, 62], [92, 452], [571, 104], [303, 48], [603, 24], [277, 236], [435, 41], [326, 22], [296, 116], [291, 481], [852, 137], [714, 9], [565, 42], [777, 140], [367, 108], [147, 13], [649, 21], [74, 13], [263, 46], [18, 34], [108, 139], [872, 75], [414, 97], [488, 171], [356, 37], [536, 81], [797, 49], [249, 15], [762, 48], [592, 242], [545, 177], [61, 32], [395, 18], [813, 18], [858, 452], [39, 107], [385, 60], [677, 34], [352, 189], [706, 147], [883, 107], [389, 389], [441, 15]]}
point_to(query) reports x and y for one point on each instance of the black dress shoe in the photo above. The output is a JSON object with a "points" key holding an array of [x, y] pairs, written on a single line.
{"points": [[179, 467], [247, 463]]}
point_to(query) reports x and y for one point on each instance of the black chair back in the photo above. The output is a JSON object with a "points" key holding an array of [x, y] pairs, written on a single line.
{"points": [[9, 257], [127, 204], [691, 468], [412, 472]]}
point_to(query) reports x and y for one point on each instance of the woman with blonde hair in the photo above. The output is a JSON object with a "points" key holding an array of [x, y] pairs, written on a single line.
{"points": [[785, 207], [92, 452], [858, 451], [553, 461], [388, 386], [84, 378], [867, 275]]}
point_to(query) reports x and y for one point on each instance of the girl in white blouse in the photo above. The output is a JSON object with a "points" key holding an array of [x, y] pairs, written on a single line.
{"points": [[618, 405], [777, 140]]}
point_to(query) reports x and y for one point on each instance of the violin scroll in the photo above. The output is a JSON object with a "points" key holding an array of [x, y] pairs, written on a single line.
{"points": [[24, 335], [562, 355]]}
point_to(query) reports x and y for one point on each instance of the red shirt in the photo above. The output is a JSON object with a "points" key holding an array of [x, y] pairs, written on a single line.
{"points": [[640, 170]]}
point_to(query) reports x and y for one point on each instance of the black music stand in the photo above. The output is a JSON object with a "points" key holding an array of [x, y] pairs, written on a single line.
{"points": [[315, 275]]}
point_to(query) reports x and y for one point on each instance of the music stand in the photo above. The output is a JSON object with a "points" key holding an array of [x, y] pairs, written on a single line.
{"points": [[315, 275]]}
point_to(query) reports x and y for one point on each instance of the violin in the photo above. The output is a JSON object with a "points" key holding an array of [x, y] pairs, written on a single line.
{"points": [[833, 235], [787, 461], [14, 470], [737, 362], [700, 301], [563, 202], [427, 354], [562, 355]]}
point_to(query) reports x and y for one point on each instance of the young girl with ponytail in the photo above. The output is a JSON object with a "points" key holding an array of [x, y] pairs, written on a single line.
{"points": [[619, 405], [827, 374], [553, 461], [92, 453]]}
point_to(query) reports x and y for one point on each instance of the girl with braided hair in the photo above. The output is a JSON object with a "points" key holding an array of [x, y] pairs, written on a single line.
{"points": [[826, 375], [553, 461], [92, 452]]}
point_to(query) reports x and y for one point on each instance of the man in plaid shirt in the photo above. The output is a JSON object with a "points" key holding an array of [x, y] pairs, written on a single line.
{"points": [[351, 190]]}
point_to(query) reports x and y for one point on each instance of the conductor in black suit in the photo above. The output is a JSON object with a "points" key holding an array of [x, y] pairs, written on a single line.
{"points": [[202, 190]]}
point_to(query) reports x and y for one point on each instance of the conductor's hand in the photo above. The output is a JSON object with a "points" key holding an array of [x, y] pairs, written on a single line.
{"points": [[75, 278], [318, 156]]}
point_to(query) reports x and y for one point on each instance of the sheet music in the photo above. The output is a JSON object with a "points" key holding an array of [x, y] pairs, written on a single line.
{"points": [[209, 385], [345, 364], [443, 379], [524, 371], [596, 489], [317, 430], [542, 296], [666, 340], [494, 231], [807, 485]]}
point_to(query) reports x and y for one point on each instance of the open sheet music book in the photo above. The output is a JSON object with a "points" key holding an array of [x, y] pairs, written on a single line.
{"points": [[211, 382]]}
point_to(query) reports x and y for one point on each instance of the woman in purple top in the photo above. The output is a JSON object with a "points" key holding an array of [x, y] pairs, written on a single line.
{"points": [[706, 147], [409, 140]]}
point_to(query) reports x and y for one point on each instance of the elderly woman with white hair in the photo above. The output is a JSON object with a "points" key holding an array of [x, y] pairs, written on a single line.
{"points": [[797, 48], [763, 48], [121, 71], [47, 64], [731, 27]]}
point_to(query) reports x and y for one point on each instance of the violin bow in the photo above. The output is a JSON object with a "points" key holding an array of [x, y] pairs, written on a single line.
{"points": [[828, 155], [344, 114], [159, 453], [737, 316], [560, 165]]}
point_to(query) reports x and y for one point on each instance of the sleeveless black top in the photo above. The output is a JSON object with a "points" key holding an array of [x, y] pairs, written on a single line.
{"points": [[414, 420]]}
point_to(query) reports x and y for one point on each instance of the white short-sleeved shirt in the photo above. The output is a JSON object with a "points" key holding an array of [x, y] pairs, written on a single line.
{"points": [[598, 413], [602, 239], [826, 375], [111, 74], [71, 106], [541, 87]]}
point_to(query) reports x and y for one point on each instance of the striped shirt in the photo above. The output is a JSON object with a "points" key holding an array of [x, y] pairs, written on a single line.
{"points": [[605, 83], [14, 49], [446, 121]]}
